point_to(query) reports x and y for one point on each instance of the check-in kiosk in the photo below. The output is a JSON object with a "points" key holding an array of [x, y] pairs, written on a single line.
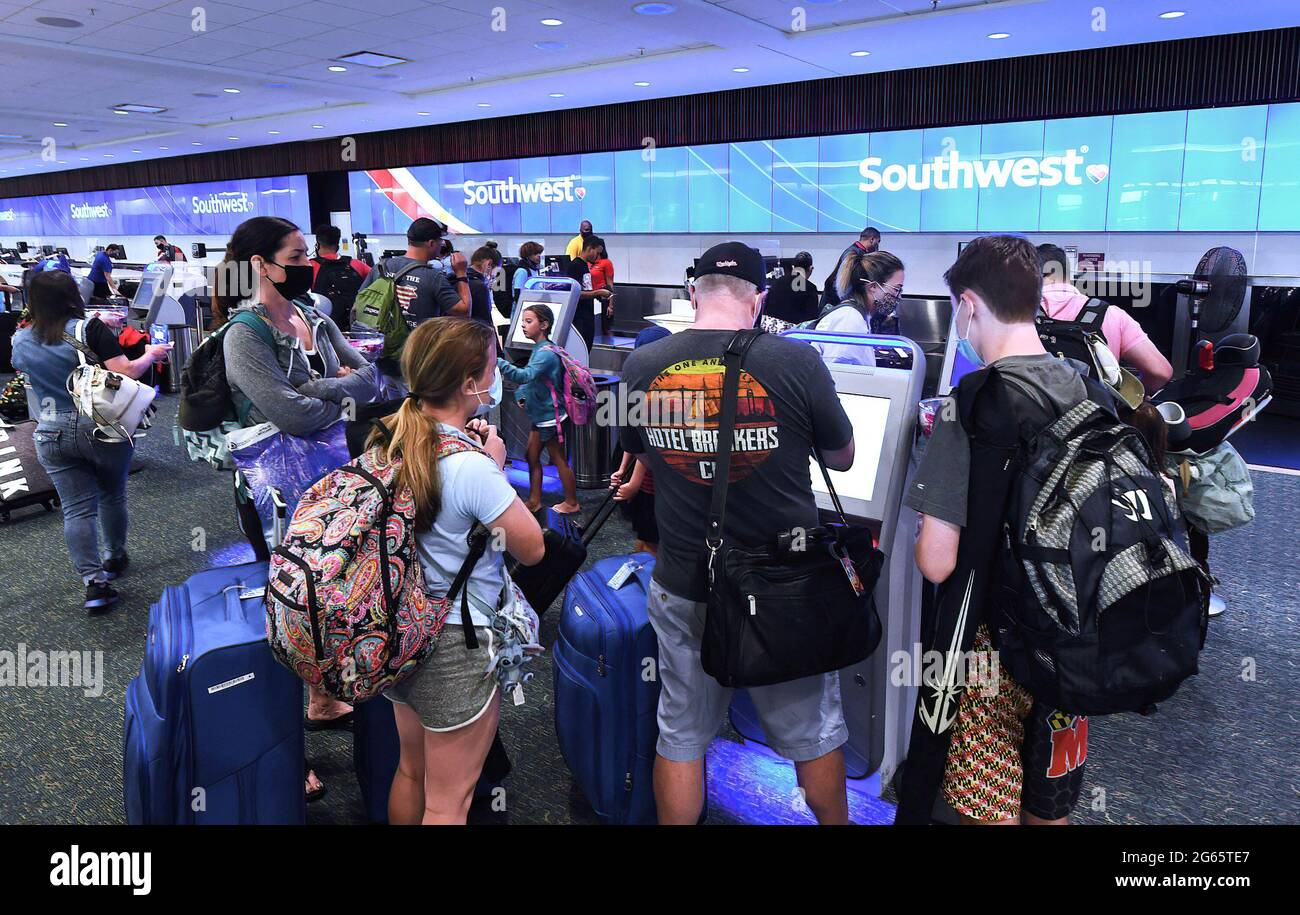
{"points": [[560, 294], [166, 318], [880, 393]]}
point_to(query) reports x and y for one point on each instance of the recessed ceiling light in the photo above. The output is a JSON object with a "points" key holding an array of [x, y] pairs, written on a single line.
{"points": [[338, 69], [274, 133], [372, 59], [139, 109], [59, 22], [641, 83], [998, 36], [859, 53], [550, 45], [552, 22], [60, 124], [423, 114], [654, 9], [120, 111], [231, 89], [1173, 14], [740, 69], [108, 155], [317, 126], [485, 104], [135, 150], [557, 95], [232, 138], [85, 158]]}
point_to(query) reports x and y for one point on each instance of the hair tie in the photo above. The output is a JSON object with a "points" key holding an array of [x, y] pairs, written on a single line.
{"points": [[412, 396]]}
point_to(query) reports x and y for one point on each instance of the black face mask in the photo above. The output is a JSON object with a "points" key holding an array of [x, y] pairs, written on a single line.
{"points": [[162, 245], [297, 280]]}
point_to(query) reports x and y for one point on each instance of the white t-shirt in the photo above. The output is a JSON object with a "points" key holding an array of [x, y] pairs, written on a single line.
{"points": [[847, 319], [474, 488]]}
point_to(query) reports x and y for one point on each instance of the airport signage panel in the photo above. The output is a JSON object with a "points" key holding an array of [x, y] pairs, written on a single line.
{"points": [[209, 208], [1217, 169]]}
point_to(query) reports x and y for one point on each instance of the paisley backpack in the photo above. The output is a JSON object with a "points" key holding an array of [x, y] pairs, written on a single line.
{"points": [[346, 604]]}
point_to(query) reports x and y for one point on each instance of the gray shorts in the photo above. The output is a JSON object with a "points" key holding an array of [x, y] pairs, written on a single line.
{"points": [[546, 433], [802, 719], [449, 690]]}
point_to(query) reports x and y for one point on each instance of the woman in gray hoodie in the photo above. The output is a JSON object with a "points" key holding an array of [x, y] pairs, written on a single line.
{"points": [[302, 382]]}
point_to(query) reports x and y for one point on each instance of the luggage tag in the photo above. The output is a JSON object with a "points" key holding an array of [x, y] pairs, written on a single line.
{"points": [[619, 578], [850, 571], [517, 695]]}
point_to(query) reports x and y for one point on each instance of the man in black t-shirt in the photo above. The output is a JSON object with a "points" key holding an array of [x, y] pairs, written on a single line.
{"points": [[590, 300], [868, 241], [483, 265], [426, 291], [787, 405]]}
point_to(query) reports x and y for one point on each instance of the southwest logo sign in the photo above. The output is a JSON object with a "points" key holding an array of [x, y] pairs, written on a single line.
{"points": [[950, 172], [90, 210], [224, 202], [547, 190]]}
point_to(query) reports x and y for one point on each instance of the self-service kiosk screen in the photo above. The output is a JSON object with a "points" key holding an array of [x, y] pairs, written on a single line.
{"points": [[869, 417], [147, 291], [518, 338]]}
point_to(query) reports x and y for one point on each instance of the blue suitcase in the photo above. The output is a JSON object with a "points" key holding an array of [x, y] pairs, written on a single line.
{"points": [[607, 690], [213, 730]]}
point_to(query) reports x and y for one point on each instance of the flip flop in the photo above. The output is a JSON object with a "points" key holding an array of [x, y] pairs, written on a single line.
{"points": [[341, 723], [577, 511], [317, 794]]}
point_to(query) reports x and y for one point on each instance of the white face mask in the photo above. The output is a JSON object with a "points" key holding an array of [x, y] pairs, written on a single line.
{"points": [[494, 396]]}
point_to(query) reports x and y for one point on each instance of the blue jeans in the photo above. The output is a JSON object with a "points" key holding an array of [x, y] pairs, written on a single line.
{"points": [[90, 477]]}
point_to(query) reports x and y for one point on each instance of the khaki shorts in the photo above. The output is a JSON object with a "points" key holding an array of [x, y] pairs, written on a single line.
{"points": [[450, 690]]}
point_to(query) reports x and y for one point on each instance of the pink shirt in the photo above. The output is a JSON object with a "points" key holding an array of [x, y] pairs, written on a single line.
{"points": [[1122, 332]]}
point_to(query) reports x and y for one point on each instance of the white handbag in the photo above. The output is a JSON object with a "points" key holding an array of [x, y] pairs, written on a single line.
{"points": [[118, 405]]}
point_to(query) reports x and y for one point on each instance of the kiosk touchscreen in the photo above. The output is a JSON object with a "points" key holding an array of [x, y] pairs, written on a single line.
{"points": [[880, 392], [152, 305], [560, 294]]}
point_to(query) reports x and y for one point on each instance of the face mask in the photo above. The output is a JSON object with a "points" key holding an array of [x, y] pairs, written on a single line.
{"points": [[494, 396], [297, 280], [161, 245], [965, 348], [888, 299]]}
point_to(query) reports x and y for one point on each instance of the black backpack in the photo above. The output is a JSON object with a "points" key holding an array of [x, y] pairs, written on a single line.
{"points": [[340, 283], [1100, 609], [1075, 339], [205, 393]]}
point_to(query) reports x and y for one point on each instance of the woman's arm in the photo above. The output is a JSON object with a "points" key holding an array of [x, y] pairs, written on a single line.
{"points": [[347, 355], [135, 368], [252, 367]]}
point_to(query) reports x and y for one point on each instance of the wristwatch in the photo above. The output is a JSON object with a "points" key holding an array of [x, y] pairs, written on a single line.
{"points": [[457, 278]]}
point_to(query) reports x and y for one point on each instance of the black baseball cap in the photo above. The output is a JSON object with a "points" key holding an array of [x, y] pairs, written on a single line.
{"points": [[425, 229], [733, 258]]}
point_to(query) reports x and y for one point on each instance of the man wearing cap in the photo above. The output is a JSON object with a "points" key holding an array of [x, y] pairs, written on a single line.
{"points": [[424, 291], [789, 404]]}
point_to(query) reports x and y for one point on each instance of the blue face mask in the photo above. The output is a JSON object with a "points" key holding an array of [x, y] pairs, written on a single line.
{"points": [[494, 396], [965, 349]]}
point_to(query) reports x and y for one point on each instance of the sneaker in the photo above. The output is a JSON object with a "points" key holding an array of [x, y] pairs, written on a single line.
{"points": [[1217, 605], [100, 597], [116, 568]]}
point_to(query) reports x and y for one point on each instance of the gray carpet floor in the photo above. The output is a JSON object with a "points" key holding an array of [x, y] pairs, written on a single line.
{"points": [[1222, 750]]}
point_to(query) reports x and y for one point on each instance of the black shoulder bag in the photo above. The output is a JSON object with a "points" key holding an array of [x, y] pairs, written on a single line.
{"points": [[799, 606]]}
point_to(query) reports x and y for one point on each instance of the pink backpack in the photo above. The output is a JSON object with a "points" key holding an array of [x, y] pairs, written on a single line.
{"points": [[346, 605], [579, 391]]}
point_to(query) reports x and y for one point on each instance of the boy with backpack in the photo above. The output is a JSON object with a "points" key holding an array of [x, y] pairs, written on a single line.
{"points": [[1006, 754]]}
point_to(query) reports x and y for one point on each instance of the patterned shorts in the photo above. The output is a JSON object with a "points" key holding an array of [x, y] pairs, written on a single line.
{"points": [[1009, 753]]}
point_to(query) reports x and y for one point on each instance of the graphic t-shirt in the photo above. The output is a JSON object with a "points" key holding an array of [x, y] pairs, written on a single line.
{"points": [[422, 293], [787, 403]]}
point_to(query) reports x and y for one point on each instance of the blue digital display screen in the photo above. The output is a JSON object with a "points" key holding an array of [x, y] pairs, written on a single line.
{"points": [[210, 208], [1214, 169]]}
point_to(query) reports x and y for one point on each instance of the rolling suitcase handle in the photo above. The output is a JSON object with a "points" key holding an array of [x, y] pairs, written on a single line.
{"points": [[599, 517], [281, 510]]}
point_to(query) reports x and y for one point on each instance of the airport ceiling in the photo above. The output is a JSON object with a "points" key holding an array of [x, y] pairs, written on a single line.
{"points": [[239, 73]]}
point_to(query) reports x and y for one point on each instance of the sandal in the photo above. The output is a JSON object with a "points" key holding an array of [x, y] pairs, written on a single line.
{"points": [[313, 794]]}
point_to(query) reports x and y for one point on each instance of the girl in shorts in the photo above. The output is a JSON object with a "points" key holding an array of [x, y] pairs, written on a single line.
{"points": [[540, 383], [447, 711]]}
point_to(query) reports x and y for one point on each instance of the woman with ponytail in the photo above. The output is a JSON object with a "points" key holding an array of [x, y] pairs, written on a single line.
{"points": [[870, 285], [447, 711]]}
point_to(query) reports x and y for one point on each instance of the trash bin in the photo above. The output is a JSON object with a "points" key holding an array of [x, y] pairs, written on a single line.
{"points": [[591, 447], [184, 340]]}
